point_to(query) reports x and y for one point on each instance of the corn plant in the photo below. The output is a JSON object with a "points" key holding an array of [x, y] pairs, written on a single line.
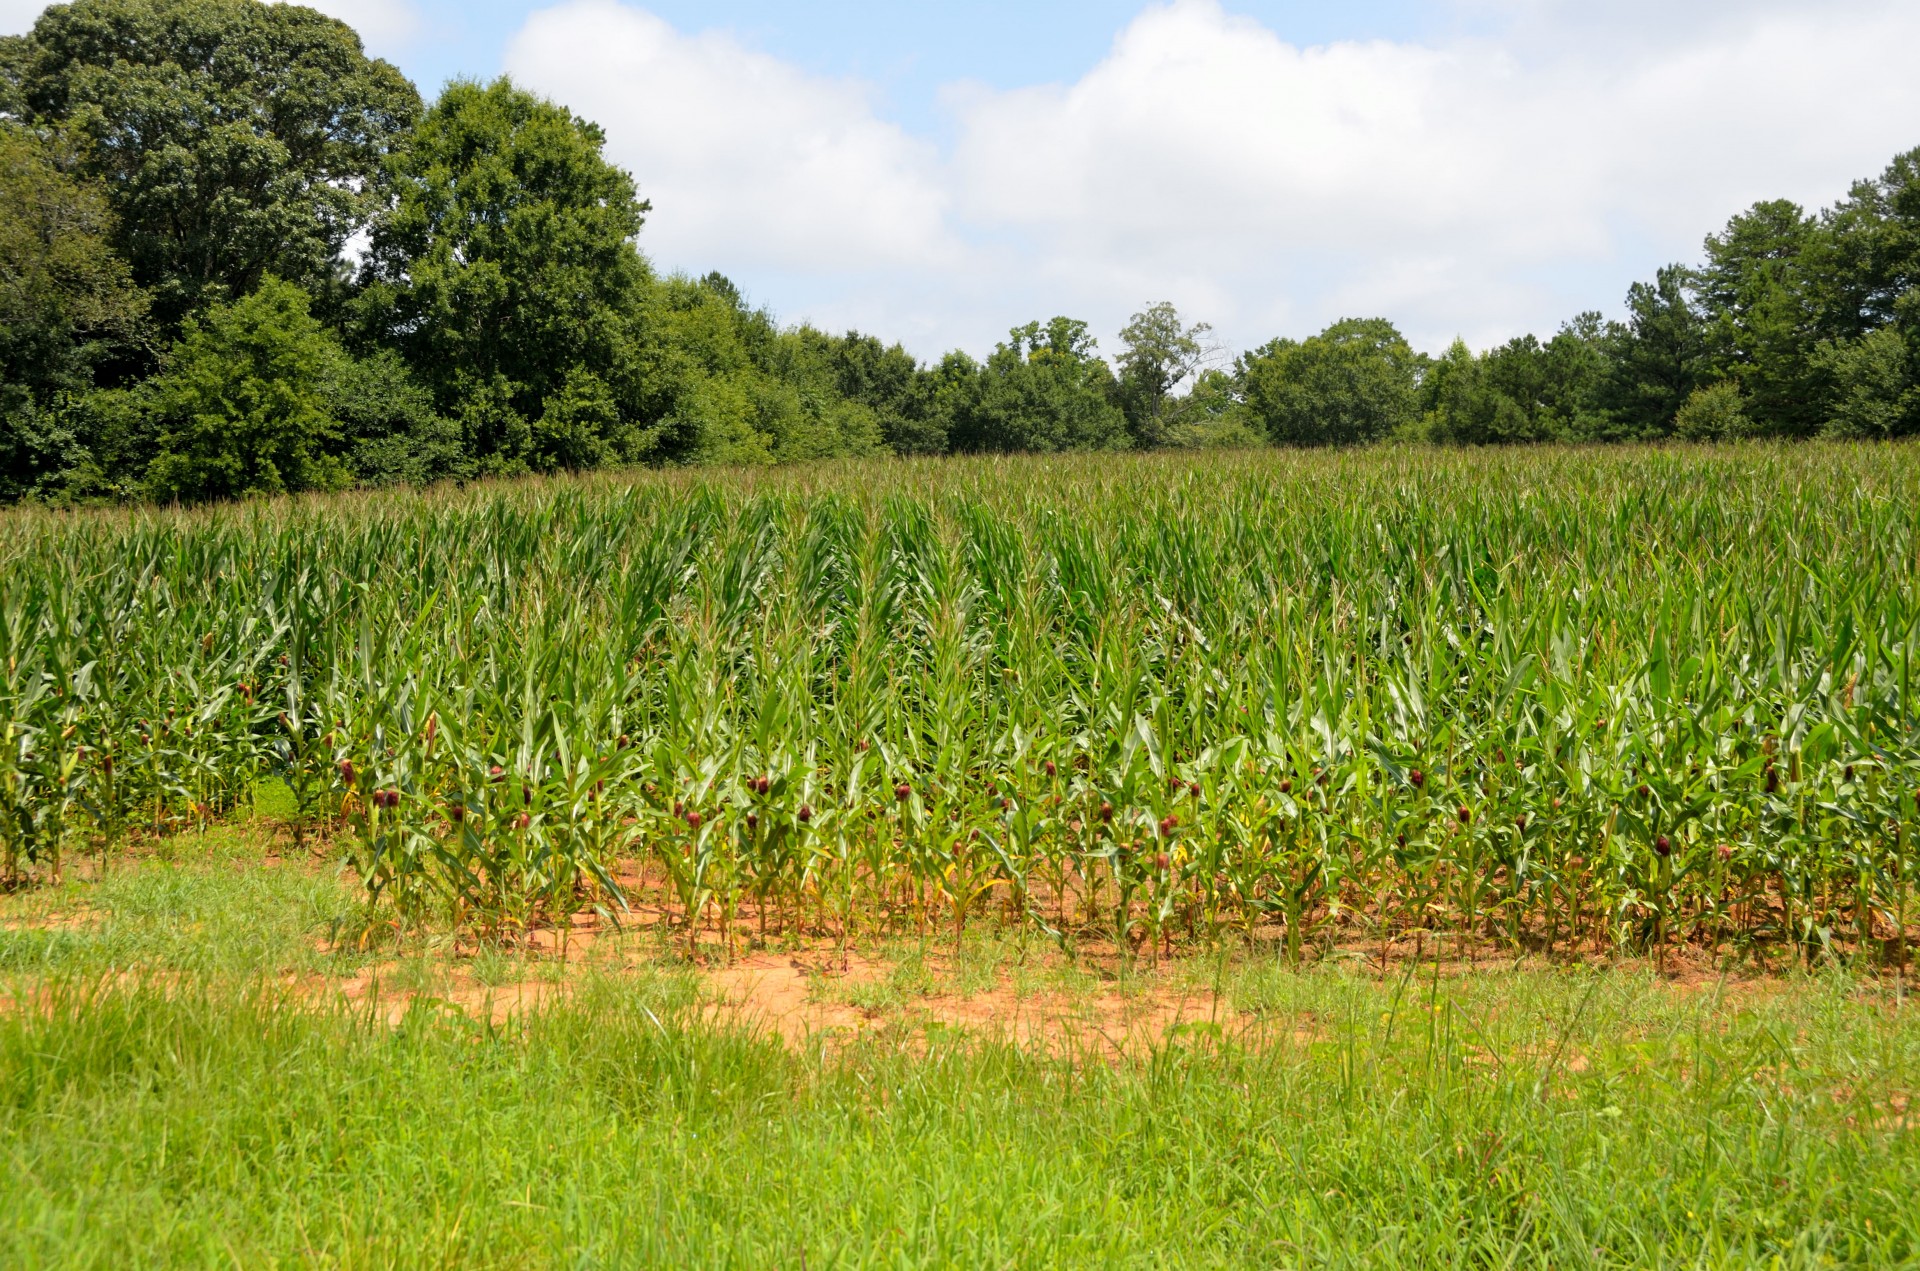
{"points": [[1553, 699]]}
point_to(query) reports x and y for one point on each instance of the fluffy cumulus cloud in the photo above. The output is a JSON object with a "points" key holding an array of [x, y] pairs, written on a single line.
{"points": [[1482, 184], [745, 157]]}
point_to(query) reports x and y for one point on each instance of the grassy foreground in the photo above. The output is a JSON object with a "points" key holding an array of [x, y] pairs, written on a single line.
{"points": [[166, 1099]]}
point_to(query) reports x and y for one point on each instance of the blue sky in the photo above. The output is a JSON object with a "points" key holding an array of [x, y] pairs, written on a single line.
{"points": [[937, 174], [908, 50]]}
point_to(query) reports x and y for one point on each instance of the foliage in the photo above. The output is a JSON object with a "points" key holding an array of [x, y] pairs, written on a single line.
{"points": [[242, 408], [1043, 389], [1875, 383], [66, 306], [1656, 358], [1159, 354], [1717, 412], [1758, 304], [1523, 391], [731, 387], [887, 381], [390, 433], [66, 300], [1213, 415], [1357, 381], [235, 139], [505, 272]]}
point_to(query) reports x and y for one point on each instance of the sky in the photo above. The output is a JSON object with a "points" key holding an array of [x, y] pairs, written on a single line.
{"points": [[939, 173]]}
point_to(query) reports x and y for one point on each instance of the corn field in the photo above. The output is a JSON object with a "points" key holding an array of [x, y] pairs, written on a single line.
{"points": [[1548, 699]]}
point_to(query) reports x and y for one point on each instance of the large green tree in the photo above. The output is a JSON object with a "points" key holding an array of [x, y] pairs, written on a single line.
{"points": [[1356, 381], [1159, 353], [243, 408], [506, 271], [888, 381], [66, 304], [1754, 294], [1657, 358], [1865, 267], [1044, 389], [235, 138], [1520, 391]]}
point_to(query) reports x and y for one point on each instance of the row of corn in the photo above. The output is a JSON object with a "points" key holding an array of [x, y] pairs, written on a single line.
{"points": [[1544, 697]]}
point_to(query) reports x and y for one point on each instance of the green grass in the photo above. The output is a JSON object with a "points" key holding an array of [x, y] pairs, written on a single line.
{"points": [[164, 1101], [1417, 1124], [203, 904]]}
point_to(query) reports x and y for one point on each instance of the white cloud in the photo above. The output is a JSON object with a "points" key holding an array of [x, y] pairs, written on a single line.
{"points": [[18, 15], [1483, 185], [385, 26], [748, 160]]}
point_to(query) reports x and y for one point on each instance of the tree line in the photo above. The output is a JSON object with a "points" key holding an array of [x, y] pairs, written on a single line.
{"points": [[238, 256]]}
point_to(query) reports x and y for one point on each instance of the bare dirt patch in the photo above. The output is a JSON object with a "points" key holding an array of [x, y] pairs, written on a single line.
{"points": [[802, 1001]]}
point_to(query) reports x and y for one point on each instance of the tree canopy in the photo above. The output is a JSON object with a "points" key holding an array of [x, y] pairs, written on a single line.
{"points": [[233, 139], [1356, 381]]}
